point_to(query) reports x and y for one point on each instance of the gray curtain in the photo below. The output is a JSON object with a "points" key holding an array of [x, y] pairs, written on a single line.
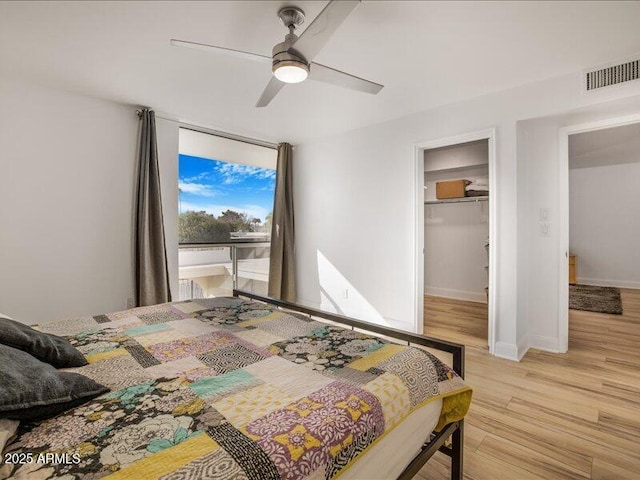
{"points": [[152, 276], [282, 281]]}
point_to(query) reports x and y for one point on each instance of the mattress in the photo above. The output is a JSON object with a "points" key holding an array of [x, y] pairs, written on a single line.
{"points": [[405, 441], [230, 388]]}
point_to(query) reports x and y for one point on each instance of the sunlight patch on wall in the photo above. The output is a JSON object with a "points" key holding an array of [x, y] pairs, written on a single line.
{"points": [[340, 296]]}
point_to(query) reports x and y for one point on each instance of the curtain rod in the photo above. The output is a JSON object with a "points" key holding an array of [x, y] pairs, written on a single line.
{"points": [[218, 133]]}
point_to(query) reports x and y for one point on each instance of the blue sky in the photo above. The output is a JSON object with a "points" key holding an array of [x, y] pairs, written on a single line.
{"points": [[215, 186]]}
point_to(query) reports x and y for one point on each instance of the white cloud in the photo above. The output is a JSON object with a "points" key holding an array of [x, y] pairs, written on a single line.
{"points": [[235, 172], [255, 211], [199, 189], [197, 177]]}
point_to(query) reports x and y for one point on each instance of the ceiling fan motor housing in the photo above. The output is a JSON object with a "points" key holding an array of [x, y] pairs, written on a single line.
{"points": [[283, 56]]}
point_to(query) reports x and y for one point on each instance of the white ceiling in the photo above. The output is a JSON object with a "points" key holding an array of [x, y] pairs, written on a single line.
{"points": [[609, 146], [425, 53]]}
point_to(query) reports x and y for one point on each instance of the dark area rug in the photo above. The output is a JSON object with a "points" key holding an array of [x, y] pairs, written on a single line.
{"points": [[595, 299]]}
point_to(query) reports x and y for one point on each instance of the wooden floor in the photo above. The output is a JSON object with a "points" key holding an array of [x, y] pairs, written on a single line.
{"points": [[551, 416]]}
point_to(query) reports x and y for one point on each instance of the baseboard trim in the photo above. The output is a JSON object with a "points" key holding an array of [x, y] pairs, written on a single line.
{"points": [[507, 350], [456, 294], [549, 344], [515, 352], [603, 282], [523, 347]]}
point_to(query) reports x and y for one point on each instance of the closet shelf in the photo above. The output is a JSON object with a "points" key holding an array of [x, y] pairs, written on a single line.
{"points": [[457, 200], [459, 168]]}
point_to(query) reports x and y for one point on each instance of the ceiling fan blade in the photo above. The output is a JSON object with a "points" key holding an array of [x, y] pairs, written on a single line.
{"points": [[215, 49], [322, 73], [323, 27], [271, 90]]}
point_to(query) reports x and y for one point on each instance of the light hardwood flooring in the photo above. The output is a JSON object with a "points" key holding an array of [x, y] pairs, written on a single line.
{"points": [[550, 416]]}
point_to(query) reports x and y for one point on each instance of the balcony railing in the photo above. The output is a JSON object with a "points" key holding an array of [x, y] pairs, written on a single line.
{"points": [[216, 269]]}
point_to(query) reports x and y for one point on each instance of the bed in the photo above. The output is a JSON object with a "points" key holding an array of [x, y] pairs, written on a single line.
{"points": [[248, 387]]}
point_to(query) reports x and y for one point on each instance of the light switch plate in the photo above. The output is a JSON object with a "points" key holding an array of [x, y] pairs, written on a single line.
{"points": [[544, 214], [544, 229]]}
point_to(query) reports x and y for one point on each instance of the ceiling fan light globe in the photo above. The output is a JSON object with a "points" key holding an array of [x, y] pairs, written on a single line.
{"points": [[291, 72]]}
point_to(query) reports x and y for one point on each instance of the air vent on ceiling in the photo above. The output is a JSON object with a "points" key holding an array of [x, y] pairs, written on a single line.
{"points": [[613, 75]]}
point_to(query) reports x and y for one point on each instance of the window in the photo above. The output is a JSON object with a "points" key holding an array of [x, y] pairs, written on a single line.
{"points": [[226, 192], [222, 201]]}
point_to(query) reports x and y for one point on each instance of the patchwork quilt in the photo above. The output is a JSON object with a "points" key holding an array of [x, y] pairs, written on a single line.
{"points": [[227, 388]]}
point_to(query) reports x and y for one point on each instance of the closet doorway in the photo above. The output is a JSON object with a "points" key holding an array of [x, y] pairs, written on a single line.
{"points": [[456, 240]]}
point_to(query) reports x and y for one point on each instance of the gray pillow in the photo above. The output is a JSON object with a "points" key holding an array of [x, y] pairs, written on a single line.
{"points": [[31, 389], [46, 347]]}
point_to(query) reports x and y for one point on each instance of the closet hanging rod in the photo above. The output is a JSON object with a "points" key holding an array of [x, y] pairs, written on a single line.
{"points": [[457, 200]]}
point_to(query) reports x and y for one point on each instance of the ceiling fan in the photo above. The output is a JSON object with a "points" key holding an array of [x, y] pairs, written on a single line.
{"points": [[292, 59]]}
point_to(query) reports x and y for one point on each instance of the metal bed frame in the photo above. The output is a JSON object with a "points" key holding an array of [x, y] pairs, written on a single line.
{"points": [[436, 443]]}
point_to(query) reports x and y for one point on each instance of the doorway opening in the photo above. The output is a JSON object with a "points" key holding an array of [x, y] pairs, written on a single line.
{"points": [[600, 213], [455, 238]]}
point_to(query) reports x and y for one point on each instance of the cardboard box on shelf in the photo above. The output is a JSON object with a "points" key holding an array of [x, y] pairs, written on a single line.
{"points": [[451, 189]]}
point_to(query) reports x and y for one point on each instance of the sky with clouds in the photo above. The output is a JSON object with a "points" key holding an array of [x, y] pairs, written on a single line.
{"points": [[215, 186]]}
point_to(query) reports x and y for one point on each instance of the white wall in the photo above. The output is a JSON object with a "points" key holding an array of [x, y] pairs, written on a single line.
{"points": [[67, 167], [354, 197], [167, 133], [455, 257], [206, 145], [604, 223], [355, 200], [457, 156]]}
